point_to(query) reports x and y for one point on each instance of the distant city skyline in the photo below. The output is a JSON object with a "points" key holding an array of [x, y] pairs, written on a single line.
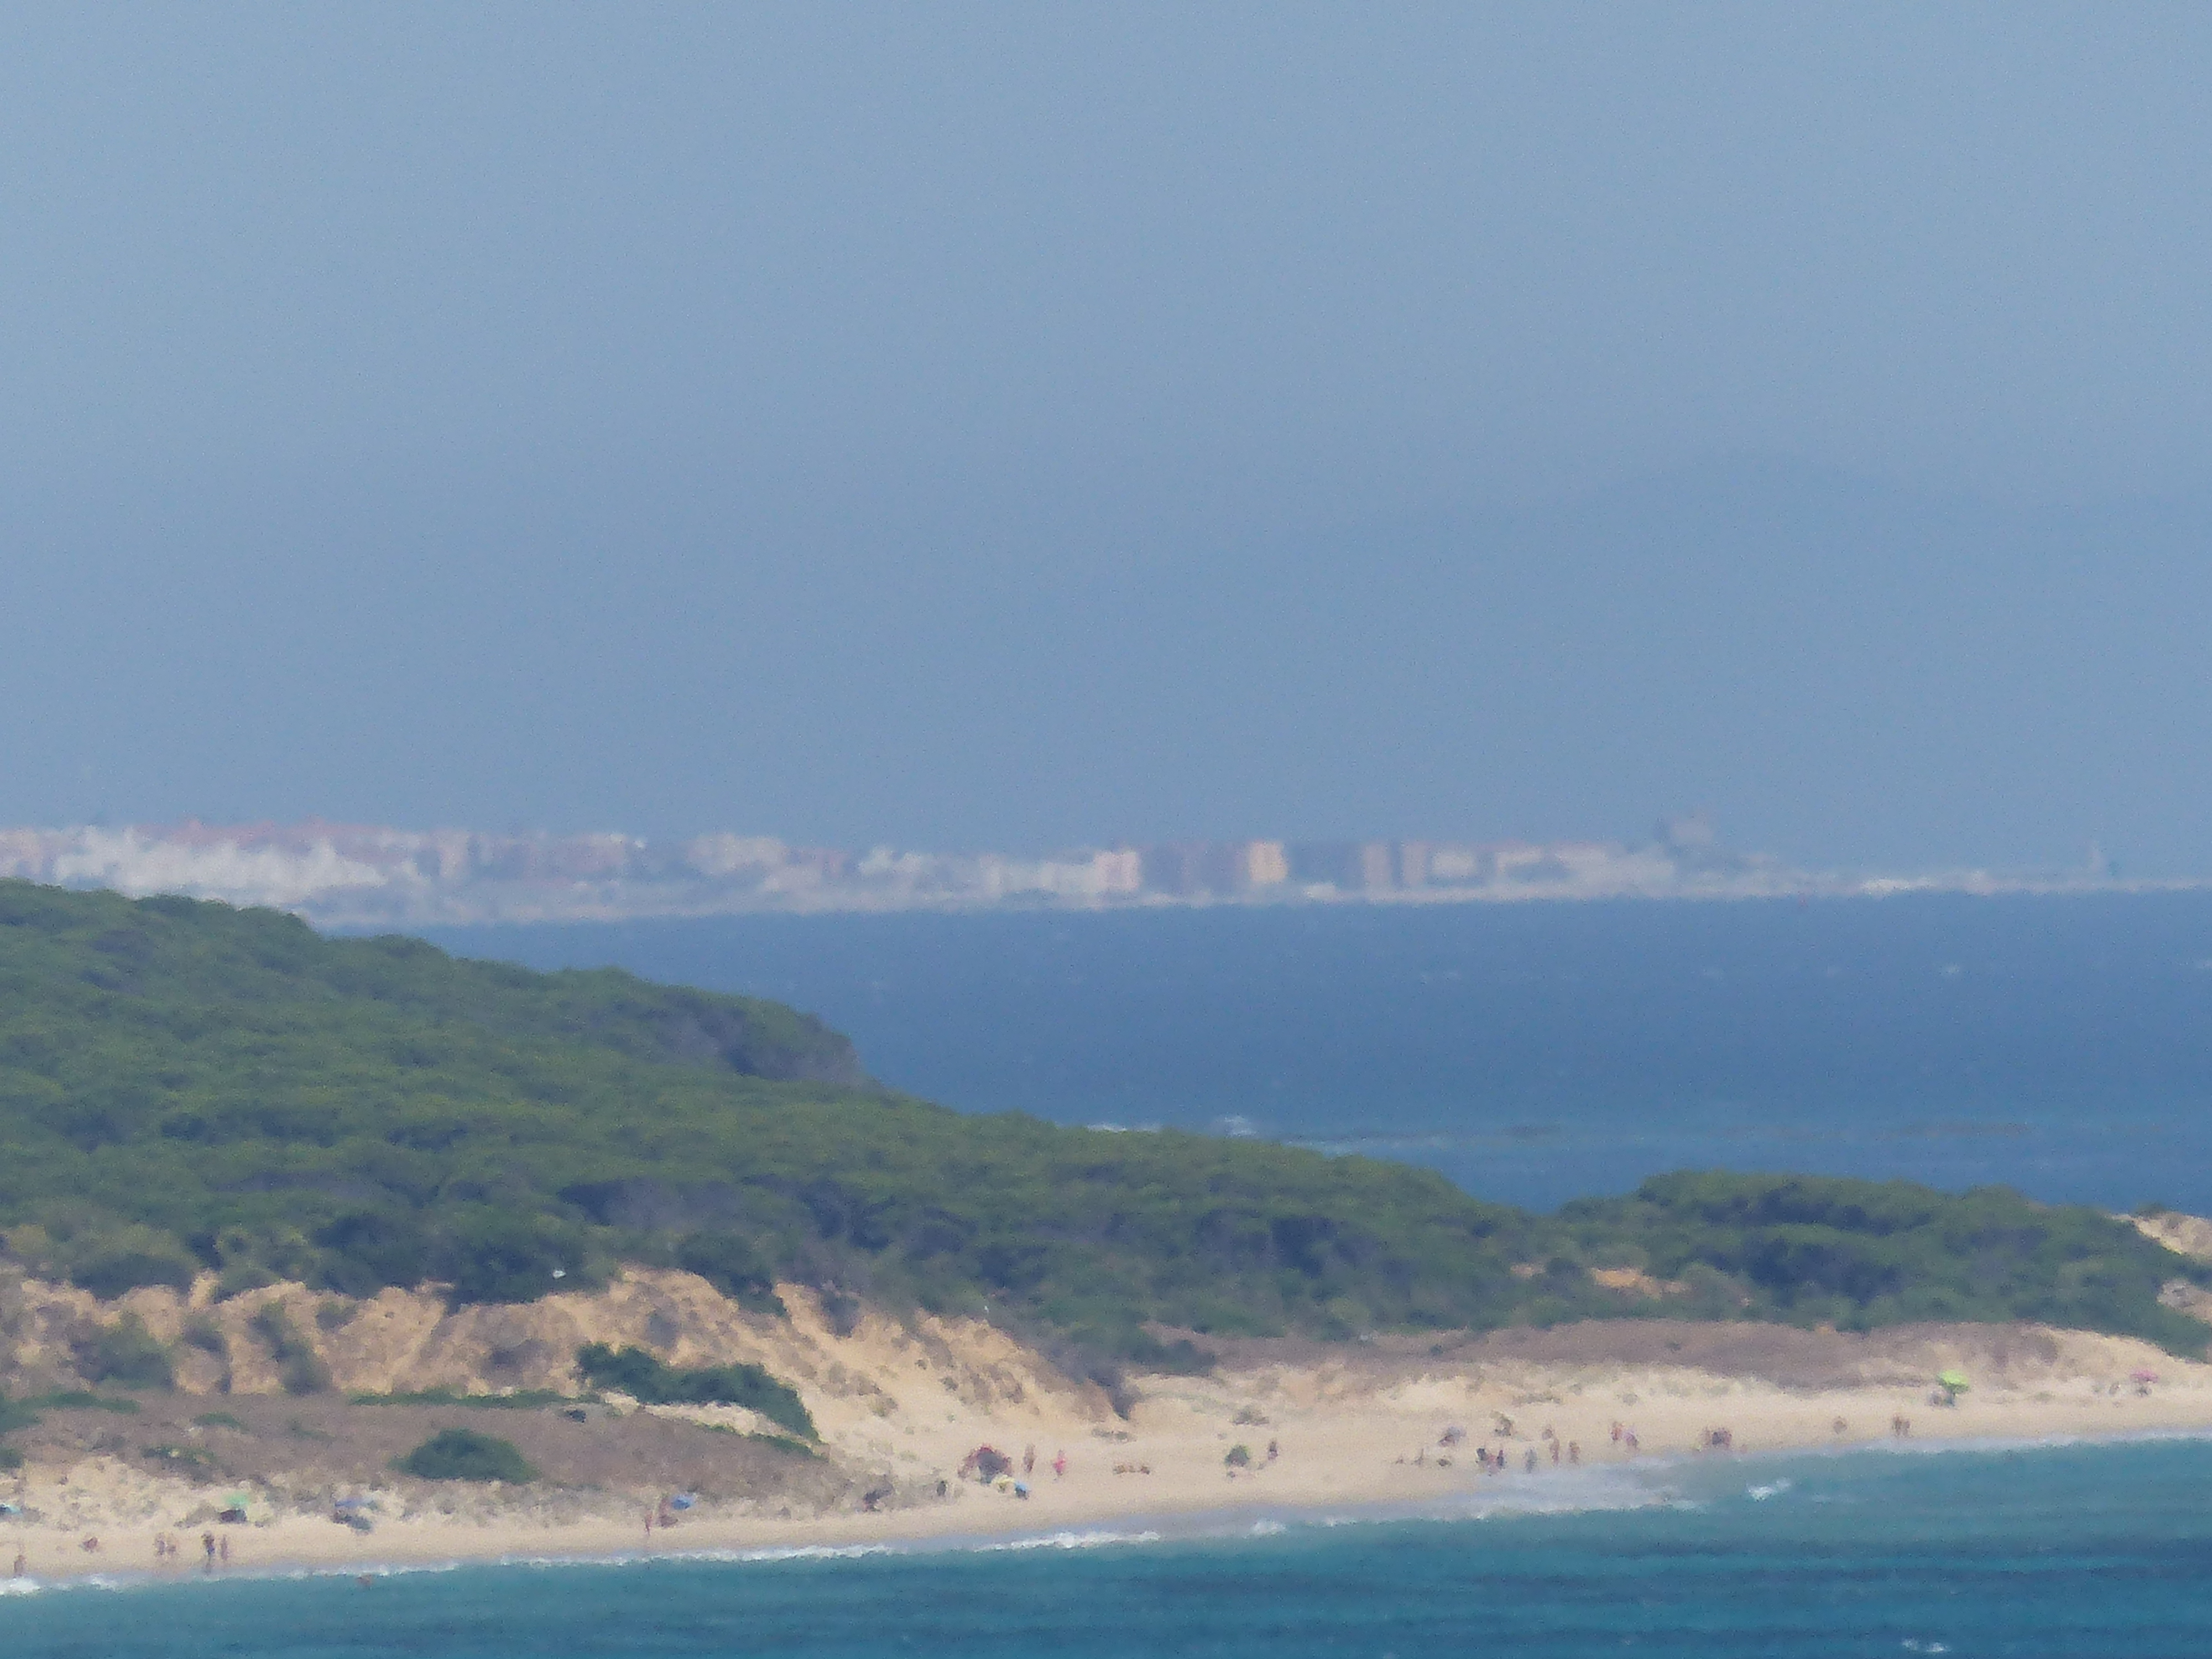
{"points": [[1035, 424], [368, 875]]}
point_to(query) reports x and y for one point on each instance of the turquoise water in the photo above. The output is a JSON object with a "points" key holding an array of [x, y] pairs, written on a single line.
{"points": [[2094, 1551]]}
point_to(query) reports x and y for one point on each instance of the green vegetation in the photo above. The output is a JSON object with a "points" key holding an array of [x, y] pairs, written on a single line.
{"points": [[653, 1382], [14, 1414], [125, 1352], [217, 1421], [522, 1399], [297, 1366], [464, 1455], [1862, 1253], [187, 1088], [191, 1459], [81, 1400]]}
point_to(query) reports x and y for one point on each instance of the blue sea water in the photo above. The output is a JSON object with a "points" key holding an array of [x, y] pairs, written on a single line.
{"points": [[1533, 1053], [2091, 1551], [1537, 1052]]}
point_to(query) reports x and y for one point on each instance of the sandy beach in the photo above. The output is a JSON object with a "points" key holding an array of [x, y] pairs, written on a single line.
{"points": [[1394, 1423]]}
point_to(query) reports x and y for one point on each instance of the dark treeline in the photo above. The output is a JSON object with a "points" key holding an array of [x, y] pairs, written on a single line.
{"points": [[189, 1088]]}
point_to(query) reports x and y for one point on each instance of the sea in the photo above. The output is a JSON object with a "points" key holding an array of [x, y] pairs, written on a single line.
{"points": [[1532, 1053], [2055, 1551], [1537, 1052]]}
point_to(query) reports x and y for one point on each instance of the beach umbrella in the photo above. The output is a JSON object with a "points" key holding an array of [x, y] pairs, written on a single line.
{"points": [[2144, 1377], [1954, 1383]]}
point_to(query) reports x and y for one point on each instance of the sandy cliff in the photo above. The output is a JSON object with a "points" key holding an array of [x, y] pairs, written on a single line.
{"points": [[901, 1403]]}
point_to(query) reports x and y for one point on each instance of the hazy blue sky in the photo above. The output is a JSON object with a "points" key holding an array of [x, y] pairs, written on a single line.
{"points": [[969, 426]]}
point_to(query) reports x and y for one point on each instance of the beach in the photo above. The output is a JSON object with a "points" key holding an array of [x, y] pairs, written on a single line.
{"points": [[1517, 1419]]}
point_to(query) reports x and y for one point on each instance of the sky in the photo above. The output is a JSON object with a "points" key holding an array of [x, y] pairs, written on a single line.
{"points": [[1029, 427]]}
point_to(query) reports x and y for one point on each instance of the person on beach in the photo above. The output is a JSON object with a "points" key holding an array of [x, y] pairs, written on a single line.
{"points": [[1060, 1466], [1029, 1460], [1574, 1452], [22, 1567], [223, 1550], [1530, 1461], [648, 1529], [1616, 1431], [1555, 1454], [207, 1548], [1628, 1439]]}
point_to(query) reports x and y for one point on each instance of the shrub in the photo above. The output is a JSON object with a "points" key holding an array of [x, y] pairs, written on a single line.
{"points": [[493, 1257], [653, 1382], [125, 1352], [191, 1459], [83, 1399], [109, 1264], [298, 1366], [522, 1399], [464, 1455], [202, 1332], [1181, 1357], [10, 1460], [1238, 1458], [217, 1421], [242, 1277], [734, 1267], [366, 1249]]}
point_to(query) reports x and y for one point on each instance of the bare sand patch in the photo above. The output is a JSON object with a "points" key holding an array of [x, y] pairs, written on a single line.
{"points": [[902, 1402]]}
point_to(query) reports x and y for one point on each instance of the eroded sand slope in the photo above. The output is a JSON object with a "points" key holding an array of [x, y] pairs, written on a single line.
{"points": [[901, 1402]]}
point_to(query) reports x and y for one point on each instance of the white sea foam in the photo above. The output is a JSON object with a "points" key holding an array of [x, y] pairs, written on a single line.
{"points": [[1091, 1538]]}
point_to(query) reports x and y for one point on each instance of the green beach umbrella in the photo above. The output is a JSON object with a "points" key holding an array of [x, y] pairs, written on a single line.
{"points": [[1954, 1383]]}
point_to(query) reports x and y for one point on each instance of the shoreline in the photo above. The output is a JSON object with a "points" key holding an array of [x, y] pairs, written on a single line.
{"points": [[1599, 1413], [299, 1552]]}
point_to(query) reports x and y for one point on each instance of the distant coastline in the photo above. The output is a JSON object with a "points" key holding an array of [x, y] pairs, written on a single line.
{"points": [[342, 875]]}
